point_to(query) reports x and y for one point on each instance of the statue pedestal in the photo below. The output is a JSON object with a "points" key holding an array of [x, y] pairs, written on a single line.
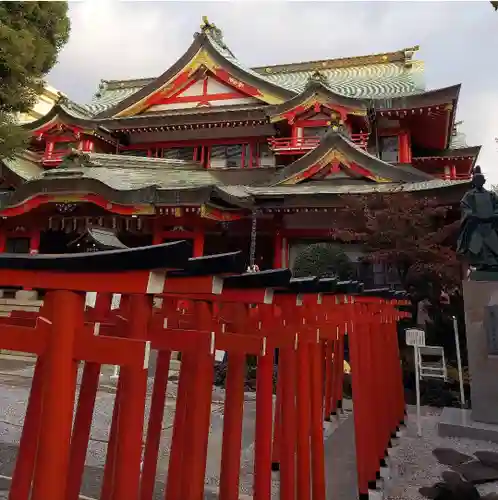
{"points": [[457, 423], [480, 295]]}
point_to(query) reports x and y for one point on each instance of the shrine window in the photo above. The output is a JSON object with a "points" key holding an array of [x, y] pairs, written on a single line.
{"points": [[314, 131], [262, 155], [183, 154], [17, 245], [65, 145], [230, 156], [134, 152], [389, 148]]}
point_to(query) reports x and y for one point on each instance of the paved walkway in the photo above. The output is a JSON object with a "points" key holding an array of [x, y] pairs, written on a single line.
{"points": [[15, 382]]}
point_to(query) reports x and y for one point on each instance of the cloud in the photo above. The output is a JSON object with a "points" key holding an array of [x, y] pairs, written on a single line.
{"points": [[118, 40]]}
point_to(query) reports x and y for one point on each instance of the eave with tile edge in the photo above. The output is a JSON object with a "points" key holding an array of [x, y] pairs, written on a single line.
{"points": [[62, 115], [316, 93], [466, 156], [128, 185], [206, 53]]}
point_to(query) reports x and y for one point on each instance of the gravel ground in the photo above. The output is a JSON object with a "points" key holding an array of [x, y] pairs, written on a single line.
{"points": [[412, 463]]}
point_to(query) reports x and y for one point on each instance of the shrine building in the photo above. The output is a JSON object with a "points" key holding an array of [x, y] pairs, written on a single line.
{"points": [[233, 158]]}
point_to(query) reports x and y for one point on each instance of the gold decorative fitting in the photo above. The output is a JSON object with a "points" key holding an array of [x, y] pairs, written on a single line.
{"points": [[205, 23], [268, 70]]}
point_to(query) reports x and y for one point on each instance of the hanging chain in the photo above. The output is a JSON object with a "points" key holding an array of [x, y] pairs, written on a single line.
{"points": [[252, 251]]}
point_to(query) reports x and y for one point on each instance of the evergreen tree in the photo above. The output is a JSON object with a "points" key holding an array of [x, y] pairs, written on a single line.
{"points": [[31, 35], [323, 260]]}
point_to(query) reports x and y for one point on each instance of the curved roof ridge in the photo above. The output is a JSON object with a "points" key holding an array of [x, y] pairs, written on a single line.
{"points": [[210, 39], [215, 37], [403, 55]]}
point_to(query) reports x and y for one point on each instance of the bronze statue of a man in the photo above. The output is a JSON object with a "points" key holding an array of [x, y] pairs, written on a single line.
{"points": [[478, 238]]}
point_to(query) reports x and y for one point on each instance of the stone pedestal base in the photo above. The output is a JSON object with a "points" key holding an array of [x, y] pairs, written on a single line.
{"points": [[458, 423]]}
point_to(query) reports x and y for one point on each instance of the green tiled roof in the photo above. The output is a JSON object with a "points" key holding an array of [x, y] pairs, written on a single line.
{"points": [[24, 167], [123, 173], [373, 81], [368, 77]]}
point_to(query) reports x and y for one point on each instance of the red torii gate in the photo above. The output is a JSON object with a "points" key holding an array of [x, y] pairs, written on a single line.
{"points": [[305, 319]]}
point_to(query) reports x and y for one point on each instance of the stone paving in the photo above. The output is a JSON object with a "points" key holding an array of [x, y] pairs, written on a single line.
{"points": [[15, 382]]}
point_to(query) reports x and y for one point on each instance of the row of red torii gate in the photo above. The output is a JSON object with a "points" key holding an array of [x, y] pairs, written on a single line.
{"points": [[241, 313]]}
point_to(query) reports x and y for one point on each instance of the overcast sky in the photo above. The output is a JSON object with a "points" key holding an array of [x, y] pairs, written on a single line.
{"points": [[458, 40]]}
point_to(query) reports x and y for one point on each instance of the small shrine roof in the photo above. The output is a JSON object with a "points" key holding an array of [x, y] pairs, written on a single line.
{"points": [[335, 145]]}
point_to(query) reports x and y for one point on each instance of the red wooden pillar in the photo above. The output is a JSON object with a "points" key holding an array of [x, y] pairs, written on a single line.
{"points": [[360, 413], [82, 428], [176, 467], [404, 147], [20, 486], [263, 438], [303, 398], [198, 250], [58, 398], [132, 407], [154, 428], [232, 427], [339, 368], [277, 425], [277, 256], [329, 379], [34, 242], [317, 449], [198, 418], [287, 368]]}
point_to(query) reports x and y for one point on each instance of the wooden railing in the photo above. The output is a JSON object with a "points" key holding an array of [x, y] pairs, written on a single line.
{"points": [[292, 145]]}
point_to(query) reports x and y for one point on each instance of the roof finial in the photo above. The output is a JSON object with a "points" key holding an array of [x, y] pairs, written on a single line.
{"points": [[213, 32], [318, 76], [205, 23]]}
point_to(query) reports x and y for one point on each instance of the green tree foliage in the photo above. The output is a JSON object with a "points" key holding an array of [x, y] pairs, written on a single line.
{"points": [[323, 260], [31, 35], [495, 5]]}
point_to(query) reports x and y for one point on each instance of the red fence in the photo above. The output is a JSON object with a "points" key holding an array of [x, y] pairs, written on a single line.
{"points": [[245, 314]]}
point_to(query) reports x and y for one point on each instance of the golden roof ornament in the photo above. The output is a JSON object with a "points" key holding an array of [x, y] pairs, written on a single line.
{"points": [[318, 76], [213, 32]]}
